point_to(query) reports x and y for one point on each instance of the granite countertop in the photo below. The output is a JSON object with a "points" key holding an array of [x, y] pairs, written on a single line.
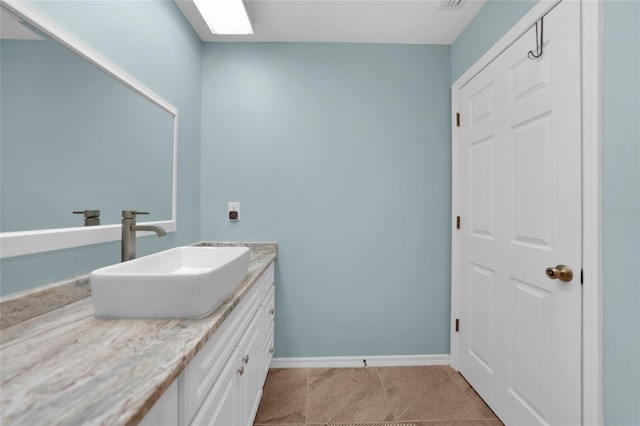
{"points": [[68, 367]]}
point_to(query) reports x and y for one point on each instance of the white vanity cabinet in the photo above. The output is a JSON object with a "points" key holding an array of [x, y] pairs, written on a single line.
{"points": [[222, 385]]}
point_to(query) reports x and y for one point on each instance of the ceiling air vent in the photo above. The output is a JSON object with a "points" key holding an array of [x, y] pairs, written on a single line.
{"points": [[450, 5]]}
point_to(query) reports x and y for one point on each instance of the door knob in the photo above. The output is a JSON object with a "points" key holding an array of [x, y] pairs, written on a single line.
{"points": [[560, 272]]}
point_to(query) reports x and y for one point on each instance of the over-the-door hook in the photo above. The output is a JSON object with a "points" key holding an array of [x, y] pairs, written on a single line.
{"points": [[539, 40]]}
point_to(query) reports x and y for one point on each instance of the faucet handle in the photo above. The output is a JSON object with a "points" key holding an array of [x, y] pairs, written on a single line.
{"points": [[130, 214], [88, 213], [91, 217]]}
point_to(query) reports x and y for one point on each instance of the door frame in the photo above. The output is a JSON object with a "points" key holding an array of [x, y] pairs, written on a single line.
{"points": [[591, 102]]}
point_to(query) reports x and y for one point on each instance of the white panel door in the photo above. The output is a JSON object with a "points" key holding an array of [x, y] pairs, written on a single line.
{"points": [[520, 200]]}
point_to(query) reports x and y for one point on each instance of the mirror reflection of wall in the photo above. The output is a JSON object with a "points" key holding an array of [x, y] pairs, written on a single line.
{"points": [[75, 138]]}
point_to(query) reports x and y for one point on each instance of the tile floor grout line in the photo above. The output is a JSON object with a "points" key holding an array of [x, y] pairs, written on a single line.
{"points": [[384, 389], [385, 392], [453, 378], [464, 392]]}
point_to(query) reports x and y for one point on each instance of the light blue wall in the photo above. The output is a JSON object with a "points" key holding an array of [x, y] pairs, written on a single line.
{"points": [[46, 83], [621, 223], [341, 154], [621, 186], [152, 41]]}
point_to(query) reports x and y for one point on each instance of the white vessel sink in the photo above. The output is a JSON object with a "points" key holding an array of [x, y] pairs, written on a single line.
{"points": [[183, 282]]}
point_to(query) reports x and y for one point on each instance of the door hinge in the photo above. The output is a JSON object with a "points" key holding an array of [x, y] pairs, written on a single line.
{"points": [[581, 276], [457, 222], [457, 119], [457, 325]]}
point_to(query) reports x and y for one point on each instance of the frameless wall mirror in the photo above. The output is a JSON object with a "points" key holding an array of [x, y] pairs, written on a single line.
{"points": [[77, 133]]}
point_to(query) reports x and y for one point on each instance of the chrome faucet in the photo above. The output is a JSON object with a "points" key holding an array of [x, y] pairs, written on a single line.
{"points": [[129, 229]]}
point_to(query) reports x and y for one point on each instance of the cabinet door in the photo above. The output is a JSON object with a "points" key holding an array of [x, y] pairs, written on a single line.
{"points": [[202, 372], [221, 406], [268, 312], [269, 309], [267, 353], [252, 377]]}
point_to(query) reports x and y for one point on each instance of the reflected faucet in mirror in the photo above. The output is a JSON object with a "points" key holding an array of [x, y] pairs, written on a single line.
{"points": [[91, 217], [129, 229]]}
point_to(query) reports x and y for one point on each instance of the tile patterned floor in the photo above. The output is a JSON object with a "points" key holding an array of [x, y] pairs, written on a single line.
{"points": [[426, 396]]}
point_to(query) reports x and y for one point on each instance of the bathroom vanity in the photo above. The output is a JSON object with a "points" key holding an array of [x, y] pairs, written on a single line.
{"points": [[67, 366], [222, 384]]}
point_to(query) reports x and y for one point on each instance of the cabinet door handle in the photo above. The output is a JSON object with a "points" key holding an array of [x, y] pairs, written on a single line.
{"points": [[271, 350], [240, 371], [245, 359], [272, 311]]}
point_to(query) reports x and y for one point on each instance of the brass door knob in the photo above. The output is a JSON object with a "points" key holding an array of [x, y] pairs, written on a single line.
{"points": [[560, 272]]}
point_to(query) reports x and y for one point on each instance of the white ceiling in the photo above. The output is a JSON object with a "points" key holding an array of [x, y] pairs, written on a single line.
{"points": [[353, 21]]}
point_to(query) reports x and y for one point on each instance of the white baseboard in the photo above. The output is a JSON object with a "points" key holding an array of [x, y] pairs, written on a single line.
{"points": [[357, 361]]}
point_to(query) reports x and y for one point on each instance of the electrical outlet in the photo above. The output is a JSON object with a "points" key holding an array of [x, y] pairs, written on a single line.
{"points": [[234, 210]]}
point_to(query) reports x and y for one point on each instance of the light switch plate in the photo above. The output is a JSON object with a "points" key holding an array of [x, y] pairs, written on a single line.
{"points": [[234, 206]]}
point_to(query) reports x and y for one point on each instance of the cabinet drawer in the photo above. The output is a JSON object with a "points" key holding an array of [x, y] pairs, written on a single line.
{"points": [[268, 350], [203, 370], [267, 279], [269, 310]]}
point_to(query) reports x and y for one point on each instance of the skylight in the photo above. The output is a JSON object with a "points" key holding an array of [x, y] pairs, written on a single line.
{"points": [[225, 16]]}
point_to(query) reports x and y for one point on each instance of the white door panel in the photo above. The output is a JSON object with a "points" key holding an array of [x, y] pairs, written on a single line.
{"points": [[481, 322], [520, 186]]}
